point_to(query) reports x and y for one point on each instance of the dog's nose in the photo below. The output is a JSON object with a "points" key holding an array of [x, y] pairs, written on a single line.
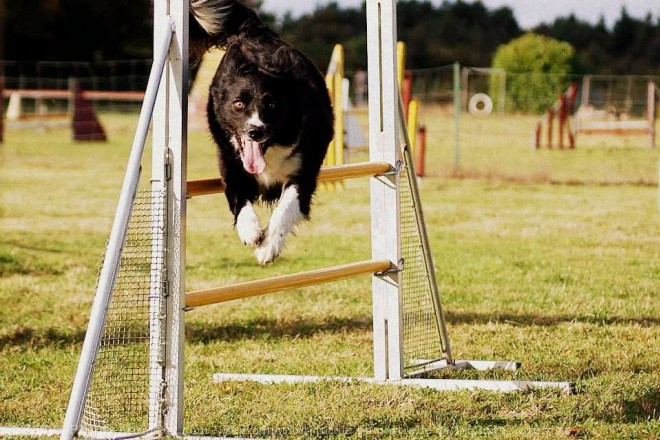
{"points": [[257, 134]]}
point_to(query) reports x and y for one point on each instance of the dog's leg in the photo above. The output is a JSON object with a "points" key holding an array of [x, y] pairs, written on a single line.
{"points": [[248, 225], [285, 217]]}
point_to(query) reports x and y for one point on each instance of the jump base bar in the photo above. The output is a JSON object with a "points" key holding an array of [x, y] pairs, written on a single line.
{"points": [[435, 384]]}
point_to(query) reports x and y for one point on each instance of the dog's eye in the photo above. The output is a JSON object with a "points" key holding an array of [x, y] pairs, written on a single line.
{"points": [[239, 105], [271, 105]]}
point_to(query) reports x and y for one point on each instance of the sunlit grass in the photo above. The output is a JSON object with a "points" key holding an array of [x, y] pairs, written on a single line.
{"points": [[545, 257]]}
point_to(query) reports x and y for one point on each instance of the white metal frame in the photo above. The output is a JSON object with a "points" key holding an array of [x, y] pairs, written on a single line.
{"points": [[385, 119], [165, 106], [107, 276], [169, 108]]}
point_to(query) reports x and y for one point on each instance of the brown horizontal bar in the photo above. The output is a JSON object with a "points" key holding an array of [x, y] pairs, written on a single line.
{"points": [[284, 282], [327, 174], [621, 131], [67, 93]]}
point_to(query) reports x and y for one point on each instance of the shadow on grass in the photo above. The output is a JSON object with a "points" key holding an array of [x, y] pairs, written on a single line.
{"points": [[260, 328], [644, 408], [541, 320], [31, 338], [302, 328]]}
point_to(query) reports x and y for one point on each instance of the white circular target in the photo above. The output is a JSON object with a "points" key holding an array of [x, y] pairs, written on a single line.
{"points": [[480, 104]]}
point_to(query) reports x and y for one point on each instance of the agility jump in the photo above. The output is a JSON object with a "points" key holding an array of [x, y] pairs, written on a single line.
{"points": [[136, 330]]}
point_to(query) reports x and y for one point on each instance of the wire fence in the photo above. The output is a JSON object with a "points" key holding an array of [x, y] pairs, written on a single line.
{"points": [[491, 135], [122, 75]]}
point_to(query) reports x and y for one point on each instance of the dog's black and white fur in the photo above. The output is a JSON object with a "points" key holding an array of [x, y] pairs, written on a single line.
{"points": [[271, 117]]}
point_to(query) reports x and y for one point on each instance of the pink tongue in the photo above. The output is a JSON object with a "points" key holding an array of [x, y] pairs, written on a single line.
{"points": [[253, 160]]}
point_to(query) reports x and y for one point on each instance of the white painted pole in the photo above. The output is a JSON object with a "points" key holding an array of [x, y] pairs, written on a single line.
{"points": [[383, 147], [650, 112], [108, 274], [170, 141]]}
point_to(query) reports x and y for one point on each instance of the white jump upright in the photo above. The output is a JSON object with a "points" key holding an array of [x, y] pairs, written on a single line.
{"points": [[165, 105], [384, 147], [169, 155]]}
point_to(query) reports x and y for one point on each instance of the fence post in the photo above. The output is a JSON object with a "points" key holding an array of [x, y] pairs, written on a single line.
{"points": [[457, 116], [650, 112], [2, 107], [551, 118]]}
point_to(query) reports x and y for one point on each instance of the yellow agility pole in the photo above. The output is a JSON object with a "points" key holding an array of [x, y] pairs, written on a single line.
{"points": [[413, 106], [400, 62], [334, 81], [284, 282]]}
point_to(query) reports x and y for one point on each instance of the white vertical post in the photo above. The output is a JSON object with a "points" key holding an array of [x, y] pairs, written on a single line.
{"points": [[586, 90], [157, 328], [383, 147], [169, 153], [158, 180], [650, 112]]}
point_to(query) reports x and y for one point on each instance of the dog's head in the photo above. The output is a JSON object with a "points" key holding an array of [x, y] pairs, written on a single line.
{"points": [[252, 107]]}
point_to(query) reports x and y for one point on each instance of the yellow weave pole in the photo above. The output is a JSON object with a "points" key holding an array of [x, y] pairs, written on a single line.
{"points": [[284, 282], [330, 155], [339, 105], [334, 81], [400, 61], [329, 173], [412, 124]]}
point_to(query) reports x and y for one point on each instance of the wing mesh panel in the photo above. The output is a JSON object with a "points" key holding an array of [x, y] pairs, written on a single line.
{"points": [[118, 397], [422, 343]]}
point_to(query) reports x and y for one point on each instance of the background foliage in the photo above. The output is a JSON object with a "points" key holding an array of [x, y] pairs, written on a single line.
{"points": [[547, 63], [470, 33]]}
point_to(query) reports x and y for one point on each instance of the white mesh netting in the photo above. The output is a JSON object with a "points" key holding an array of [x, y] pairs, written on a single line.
{"points": [[118, 396]]}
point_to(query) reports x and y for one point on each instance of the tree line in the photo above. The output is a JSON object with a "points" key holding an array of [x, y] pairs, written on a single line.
{"points": [[436, 35]]}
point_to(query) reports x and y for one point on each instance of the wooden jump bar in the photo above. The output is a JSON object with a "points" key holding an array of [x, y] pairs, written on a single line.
{"points": [[66, 94], [328, 173], [292, 281]]}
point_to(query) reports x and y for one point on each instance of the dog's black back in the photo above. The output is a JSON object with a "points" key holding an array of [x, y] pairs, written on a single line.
{"points": [[269, 110]]}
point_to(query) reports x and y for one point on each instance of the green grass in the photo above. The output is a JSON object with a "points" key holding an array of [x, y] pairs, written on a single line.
{"points": [[550, 258]]}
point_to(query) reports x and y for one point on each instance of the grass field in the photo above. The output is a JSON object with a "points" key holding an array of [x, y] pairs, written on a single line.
{"points": [[550, 258]]}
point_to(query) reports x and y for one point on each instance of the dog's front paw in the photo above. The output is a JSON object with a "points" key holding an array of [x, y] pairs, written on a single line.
{"points": [[251, 236], [269, 249], [248, 227]]}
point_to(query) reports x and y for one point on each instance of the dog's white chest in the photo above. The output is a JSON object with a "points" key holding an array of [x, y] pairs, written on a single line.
{"points": [[280, 164]]}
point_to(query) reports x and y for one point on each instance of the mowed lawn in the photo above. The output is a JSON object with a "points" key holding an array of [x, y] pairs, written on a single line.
{"points": [[551, 258]]}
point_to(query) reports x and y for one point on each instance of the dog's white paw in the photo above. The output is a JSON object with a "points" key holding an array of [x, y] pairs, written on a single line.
{"points": [[270, 248], [248, 226]]}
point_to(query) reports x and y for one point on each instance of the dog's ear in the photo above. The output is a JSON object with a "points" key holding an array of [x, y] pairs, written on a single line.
{"points": [[235, 63], [287, 61], [278, 62]]}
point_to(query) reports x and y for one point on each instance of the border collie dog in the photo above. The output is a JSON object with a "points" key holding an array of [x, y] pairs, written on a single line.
{"points": [[270, 114]]}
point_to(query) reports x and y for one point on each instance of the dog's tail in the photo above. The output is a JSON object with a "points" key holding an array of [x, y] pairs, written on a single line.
{"points": [[223, 19]]}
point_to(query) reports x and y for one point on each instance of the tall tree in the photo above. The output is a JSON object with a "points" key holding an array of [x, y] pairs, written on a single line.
{"points": [[436, 34], [80, 30], [631, 47], [537, 69]]}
